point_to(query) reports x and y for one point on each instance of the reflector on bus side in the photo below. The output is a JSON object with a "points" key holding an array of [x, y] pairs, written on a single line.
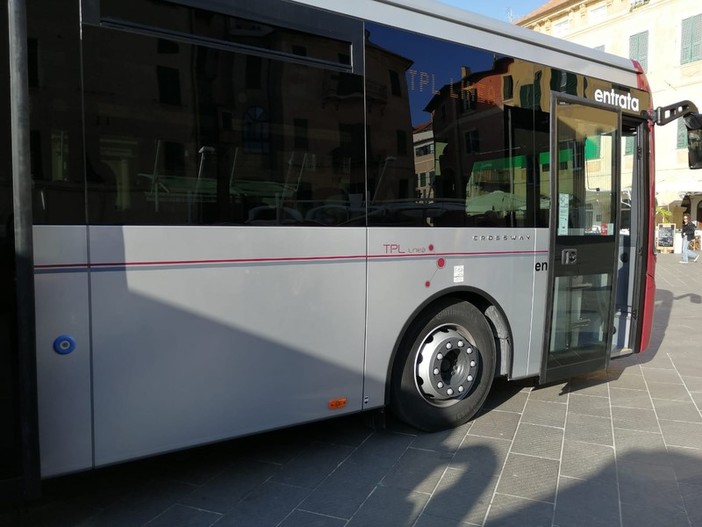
{"points": [[337, 404]]}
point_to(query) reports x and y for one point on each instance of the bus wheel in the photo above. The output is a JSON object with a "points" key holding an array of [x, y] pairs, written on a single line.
{"points": [[445, 367]]}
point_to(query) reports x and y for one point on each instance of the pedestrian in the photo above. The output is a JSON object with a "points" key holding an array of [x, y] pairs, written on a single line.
{"points": [[688, 237]]}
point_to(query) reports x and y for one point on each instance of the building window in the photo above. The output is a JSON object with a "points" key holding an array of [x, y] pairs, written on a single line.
{"points": [[253, 71], [559, 29], [563, 81], [255, 128], [527, 96], [638, 48], [507, 87], [401, 142], [691, 40], [395, 88], [168, 85], [301, 137], [469, 100], [597, 14], [472, 140], [173, 156], [424, 150]]}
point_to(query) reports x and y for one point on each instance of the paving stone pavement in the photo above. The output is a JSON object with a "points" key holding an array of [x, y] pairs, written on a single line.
{"points": [[617, 448]]}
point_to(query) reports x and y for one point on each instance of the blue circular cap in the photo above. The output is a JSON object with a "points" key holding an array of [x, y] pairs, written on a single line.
{"points": [[63, 345]]}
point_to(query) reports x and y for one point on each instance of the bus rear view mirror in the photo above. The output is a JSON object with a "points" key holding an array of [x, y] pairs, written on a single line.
{"points": [[693, 123]]}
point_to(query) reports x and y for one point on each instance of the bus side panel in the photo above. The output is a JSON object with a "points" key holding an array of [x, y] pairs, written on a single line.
{"points": [[532, 365], [65, 409], [207, 333], [408, 267]]}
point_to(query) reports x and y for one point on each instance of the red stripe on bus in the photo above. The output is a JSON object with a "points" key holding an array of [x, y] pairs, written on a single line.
{"points": [[281, 259]]}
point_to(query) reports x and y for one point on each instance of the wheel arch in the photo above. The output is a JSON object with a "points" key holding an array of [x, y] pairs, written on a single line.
{"points": [[488, 306]]}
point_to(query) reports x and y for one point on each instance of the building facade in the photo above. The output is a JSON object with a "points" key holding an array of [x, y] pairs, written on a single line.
{"points": [[665, 37]]}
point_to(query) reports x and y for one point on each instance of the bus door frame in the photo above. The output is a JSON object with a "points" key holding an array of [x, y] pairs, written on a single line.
{"points": [[583, 264], [23, 481]]}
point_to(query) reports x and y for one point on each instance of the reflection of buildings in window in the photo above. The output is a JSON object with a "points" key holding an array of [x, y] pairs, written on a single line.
{"points": [[181, 133], [472, 141], [424, 160], [168, 85], [253, 70], [256, 130], [301, 137], [401, 142], [564, 82], [507, 87], [469, 99], [424, 150], [395, 88]]}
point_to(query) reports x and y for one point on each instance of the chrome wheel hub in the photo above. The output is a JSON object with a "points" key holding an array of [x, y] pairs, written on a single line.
{"points": [[446, 366]]}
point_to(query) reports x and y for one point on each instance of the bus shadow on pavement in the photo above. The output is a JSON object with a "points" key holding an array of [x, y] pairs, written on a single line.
{"points": [[390, 478]]}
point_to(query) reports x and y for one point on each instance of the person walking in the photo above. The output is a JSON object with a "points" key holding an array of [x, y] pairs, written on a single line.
{"points": [[688, 235]]}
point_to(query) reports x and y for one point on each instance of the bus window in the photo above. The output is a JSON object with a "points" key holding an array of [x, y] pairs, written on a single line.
{"points": [[471, 115], [186, 134], [55, 141], [496, 194]]}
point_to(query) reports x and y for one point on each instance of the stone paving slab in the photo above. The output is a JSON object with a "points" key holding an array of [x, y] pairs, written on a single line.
{"points": [[614, 449]]}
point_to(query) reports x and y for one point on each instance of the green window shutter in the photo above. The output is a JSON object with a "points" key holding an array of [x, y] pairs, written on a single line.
{"points": [[696, 49], [592, 147], [691, 40], [638, 48]]}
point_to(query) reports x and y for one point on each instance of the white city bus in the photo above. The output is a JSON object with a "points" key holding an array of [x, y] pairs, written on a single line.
{"points": [[221, 218]]}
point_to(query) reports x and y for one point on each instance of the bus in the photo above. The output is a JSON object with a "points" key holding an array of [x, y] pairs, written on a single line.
{"points": [[222, 218]]}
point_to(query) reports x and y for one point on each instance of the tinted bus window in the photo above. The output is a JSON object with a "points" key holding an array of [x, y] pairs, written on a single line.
{"points": [[476, 125], [55, 119], [185, 134], [259, 33]]}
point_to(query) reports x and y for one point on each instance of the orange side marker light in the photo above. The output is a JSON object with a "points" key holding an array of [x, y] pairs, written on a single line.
{"points": [[337, 404]]}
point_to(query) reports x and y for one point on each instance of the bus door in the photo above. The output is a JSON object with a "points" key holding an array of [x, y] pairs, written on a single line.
{"points": [[634, 206], [584, 237]]}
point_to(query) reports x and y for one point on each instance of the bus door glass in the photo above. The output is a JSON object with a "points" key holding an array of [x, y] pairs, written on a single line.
{"points": [[633, 206], [585, 195]]}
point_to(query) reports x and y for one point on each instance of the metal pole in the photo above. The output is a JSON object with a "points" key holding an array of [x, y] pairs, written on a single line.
{"points": [[22, 206]]}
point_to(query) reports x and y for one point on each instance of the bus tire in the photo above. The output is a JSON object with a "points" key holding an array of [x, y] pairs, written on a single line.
{"points": [[444, 367]]}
